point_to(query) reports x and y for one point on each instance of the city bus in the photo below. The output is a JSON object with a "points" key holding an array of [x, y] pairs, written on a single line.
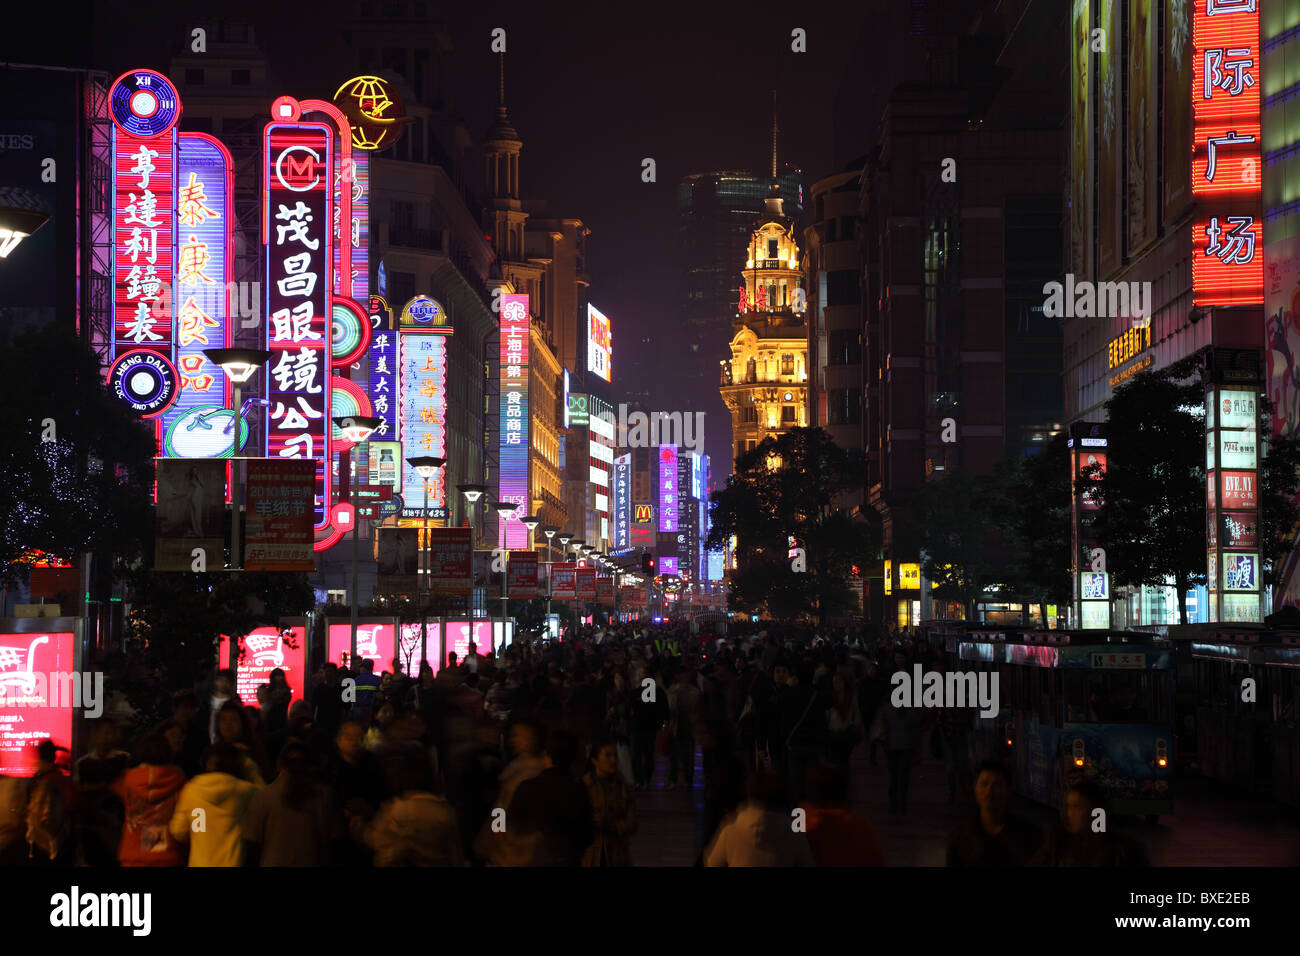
{"points": [[1078, 705], [1238, 734]]}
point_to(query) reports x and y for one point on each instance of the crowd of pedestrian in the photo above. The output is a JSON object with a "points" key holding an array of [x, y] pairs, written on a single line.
{"points": [[531, 757]]}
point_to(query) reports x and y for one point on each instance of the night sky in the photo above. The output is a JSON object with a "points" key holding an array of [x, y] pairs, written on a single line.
{"points": [[592, 88]]}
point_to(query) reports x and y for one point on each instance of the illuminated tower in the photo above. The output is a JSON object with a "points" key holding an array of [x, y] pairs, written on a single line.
{"points": [[764, 384]]}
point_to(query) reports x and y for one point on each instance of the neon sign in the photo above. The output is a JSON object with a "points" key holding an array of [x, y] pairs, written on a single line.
{"points": [[423, 421], [668, 488], [513, 480], [296, 232]]}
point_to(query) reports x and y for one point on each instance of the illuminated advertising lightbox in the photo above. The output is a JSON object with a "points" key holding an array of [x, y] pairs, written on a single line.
{"points": [[265, 649], [576, 410], [461, 633], [513, 456], [600, 352], [563, 580], [193, 427], [383, 385], [376, 642], [1240, 529], [1239, 490], [423, 420], [668, 488], [36, 703], [357, 175], [909, 576], [668, 565], [297, 214], [145, 109], [1236, 449], [1094, 586], [385, 463], [1227, 241], [1235, 409], [279, 532], [1240, 571], [715, 565], [622, 492], [1241, 609], [1095, 615]]}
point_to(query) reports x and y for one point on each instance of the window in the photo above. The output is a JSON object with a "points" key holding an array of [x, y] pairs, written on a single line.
{"points": [[194, 78], [844, 406], [843, 347], [788, 416], [787, 366], [773, 252], [240, 78], [842, 287], [748, 415]]}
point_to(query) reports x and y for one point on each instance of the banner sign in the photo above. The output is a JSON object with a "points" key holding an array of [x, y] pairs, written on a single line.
{"points": [[450, 565], [564, 580], [605, 590], [190, 513], [521, 574], [279, 515], [398, 561], [585, 584]]}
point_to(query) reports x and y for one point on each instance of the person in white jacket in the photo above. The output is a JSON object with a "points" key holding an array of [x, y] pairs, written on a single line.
{"points": [[762, 831]]}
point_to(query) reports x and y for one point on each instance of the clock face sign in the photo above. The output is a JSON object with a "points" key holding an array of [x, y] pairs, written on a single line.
{"points": [[206, 431], [144, 103], [143, 381]]}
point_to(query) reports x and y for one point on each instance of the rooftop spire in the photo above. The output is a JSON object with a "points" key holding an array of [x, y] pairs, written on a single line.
{"points": [[773, 206], [501, 84], [501, 129], [774, 132]]}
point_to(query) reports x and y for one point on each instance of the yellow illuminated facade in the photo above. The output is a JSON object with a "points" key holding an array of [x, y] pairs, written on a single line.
{"points": [[765, 382]]}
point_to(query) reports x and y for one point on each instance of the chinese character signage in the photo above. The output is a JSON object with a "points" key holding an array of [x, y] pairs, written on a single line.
{"points": [[668, 488], [423, 420], [145, 109], [383, 390], [563, 580], [622, 491], [585, 583], [1239, 490], [279, 515], [522, 574], [203, 205], [449, 559], [600, 352], [297, 214], [513, 460], [1227, 240]]}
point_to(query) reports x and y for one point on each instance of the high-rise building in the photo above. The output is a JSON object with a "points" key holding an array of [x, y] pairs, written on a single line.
{"points": [[961, 228], [765, 381], [717, 211]]}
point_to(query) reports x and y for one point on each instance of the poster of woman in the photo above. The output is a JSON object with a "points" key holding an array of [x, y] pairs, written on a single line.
{"points": [[190, 514]]}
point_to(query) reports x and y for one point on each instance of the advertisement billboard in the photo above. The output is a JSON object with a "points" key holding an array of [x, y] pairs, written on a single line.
{"points": [[377, 641], [1081, 113], [296, 218], [385, 462], [190, 513], [513, 456], [585, 584], [521, 572], [265, 649], [279, 515], [621, 489], [35, 702], [450, 559], [383, 387], [398, 561], [563, 580], [1240, 491], [600, 351]]}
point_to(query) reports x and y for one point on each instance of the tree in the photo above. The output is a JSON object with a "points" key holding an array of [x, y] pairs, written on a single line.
{"points": [[77, 473], [786, 489], [1151, 521], [1279, 498], [1036, 503], [956, 528]]}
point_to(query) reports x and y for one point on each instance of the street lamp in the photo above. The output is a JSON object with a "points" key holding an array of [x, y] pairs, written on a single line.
{"points": [[472, 494], [239, 366], [550, 531], [504, 508], [530, 522], [426, 466], [356, 429]]}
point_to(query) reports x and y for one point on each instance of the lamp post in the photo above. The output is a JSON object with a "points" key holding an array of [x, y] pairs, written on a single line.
{"points": [[503, 508], [239, 366], [565, 538], [426, 466], [550, 531], [472, 494], [355, 429]]}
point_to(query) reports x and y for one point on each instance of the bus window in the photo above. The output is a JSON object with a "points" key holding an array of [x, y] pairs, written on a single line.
{"points": [[1124, 699], [1076, 695]]}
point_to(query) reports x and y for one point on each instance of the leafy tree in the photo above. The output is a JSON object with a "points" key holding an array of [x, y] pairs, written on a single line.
{"points": [[786, 488], [177, 619], [1152, 518], [1279, 498], [956, 527], [77, 474], [1036, 503]]}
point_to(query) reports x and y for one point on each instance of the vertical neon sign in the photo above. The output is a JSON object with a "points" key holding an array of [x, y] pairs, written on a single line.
{"points": [[513, 476], [1227, 241], [668, 488], [296, 217], [203, 215], [423, 419]]}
